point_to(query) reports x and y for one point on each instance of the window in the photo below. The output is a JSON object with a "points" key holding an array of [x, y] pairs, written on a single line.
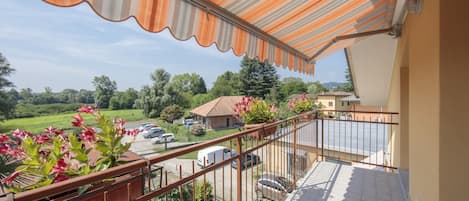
{"points": [[227, 122], [331, 104], [343, 104], [348, 103]]}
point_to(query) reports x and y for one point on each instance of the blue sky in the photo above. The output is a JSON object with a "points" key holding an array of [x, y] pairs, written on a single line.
{"points": [[67, 47]]}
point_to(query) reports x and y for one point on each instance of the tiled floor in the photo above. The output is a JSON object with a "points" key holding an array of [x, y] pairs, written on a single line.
{"points": [[334, 181]]}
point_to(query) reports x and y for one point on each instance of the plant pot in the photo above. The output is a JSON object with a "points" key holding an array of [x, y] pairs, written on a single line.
{"points": [[306, 118], [260, 133]]}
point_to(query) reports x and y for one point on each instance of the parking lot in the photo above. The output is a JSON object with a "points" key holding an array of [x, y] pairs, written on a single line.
{"points": [[222, 179]]}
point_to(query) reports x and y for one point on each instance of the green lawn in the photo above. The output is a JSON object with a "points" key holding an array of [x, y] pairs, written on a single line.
{"points": [[37, 124]]}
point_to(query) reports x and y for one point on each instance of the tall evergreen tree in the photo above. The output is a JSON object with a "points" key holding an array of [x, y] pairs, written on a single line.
{"points": [[257, 78], [227, 84], [348, 85], [7, 103]]}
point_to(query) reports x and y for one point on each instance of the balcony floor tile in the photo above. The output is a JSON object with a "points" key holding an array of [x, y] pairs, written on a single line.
{"points": [[335, 181]]}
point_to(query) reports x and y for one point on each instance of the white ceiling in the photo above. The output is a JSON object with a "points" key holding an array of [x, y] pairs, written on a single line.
{"points": [[371, 62]]}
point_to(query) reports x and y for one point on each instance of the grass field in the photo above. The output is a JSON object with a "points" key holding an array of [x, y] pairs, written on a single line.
{"points": [[37, 124]]}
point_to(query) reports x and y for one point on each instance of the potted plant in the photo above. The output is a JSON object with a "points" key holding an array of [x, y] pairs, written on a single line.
{"points": [[56, 156], [255, 113], [301, 105]]}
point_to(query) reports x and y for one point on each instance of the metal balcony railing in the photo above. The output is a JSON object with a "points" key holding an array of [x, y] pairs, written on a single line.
{"points": [[284, 149]]}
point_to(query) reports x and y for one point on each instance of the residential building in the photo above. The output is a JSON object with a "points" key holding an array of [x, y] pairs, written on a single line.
{"points": [[333, 100], [218, 113]]}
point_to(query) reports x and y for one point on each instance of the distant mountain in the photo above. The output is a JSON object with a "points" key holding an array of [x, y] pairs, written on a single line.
{"points": [[332, 85]]}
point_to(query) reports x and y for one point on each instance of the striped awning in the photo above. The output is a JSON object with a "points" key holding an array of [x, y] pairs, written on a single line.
{"points": [[288, 33]]}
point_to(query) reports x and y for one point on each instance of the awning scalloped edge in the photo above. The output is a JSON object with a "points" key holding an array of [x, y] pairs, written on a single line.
{"points": [[185, 21]]}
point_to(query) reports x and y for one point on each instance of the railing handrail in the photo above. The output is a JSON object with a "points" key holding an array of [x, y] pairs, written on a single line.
{"points": [[360, 111]]}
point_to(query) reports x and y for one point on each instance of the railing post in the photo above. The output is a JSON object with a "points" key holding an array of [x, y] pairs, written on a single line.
{"points": [[294, 152], [239, 170], [322, 136], [316, 118]]}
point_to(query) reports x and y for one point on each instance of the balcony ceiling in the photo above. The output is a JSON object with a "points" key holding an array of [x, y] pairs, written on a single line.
{"points": [[371, 62], [289, 33]]}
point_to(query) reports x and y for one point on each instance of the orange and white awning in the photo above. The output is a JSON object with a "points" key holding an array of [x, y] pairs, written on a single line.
{"points": [[288, 33]]}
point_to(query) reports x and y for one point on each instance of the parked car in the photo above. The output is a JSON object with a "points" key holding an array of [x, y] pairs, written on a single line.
{"points": [[153, 132], [273, 187], [212, 155], [145, 126], [189, 122], [247, 161], [169, 137]]}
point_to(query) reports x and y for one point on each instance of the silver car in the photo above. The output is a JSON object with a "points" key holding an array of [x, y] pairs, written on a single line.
{"points": [[273, 187]]}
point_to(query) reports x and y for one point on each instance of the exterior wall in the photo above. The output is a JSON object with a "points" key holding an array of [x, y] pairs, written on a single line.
{"points": [[336, 103], [415, 93], [220, 122], [277, 159], [324, 100], [454, 99], [424, 111], [339, 106], [369, 116]]}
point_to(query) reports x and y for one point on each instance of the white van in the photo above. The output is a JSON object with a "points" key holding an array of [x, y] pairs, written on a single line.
{"points": [[212, 155]]}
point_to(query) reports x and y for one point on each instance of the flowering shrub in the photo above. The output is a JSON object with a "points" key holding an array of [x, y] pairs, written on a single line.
{"points": [[53, 156], [302, 104], [254, 111]]}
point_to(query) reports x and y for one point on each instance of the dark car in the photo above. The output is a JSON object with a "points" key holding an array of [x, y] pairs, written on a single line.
{"points": [[154, 132], [247, 161], [273, 187]]}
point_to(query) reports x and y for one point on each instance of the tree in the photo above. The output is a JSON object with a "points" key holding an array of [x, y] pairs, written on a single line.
{"points": [[348, 85], [105, 89], [172, 113], [291, 85], [316, 88], [86, 96], [189, 83], [7, 102], [227, 84], [151, 99], [257, 78], [123, 100], [201, 99]]}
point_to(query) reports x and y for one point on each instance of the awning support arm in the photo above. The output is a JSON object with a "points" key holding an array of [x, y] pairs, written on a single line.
{"points": [[390, 30]]}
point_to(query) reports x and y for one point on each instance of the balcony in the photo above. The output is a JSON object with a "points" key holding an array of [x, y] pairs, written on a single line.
{"points": [[329, 155]]}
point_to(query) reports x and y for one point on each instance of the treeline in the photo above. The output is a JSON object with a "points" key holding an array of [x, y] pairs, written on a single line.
{"points": [[167, 96]]}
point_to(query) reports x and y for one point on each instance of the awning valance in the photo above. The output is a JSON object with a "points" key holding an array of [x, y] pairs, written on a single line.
{"points": [[288, 33]]}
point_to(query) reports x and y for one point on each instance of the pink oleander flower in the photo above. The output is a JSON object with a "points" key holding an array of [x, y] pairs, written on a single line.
{"points": [[4, 149], [78, 121], [9, 180], [60, 177], [40, 139], [50, 130], [121, 123], [87, 109], [59, 132], [88, 135], [21, 133], [133, 132], [59, 167], [4, 138]]}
